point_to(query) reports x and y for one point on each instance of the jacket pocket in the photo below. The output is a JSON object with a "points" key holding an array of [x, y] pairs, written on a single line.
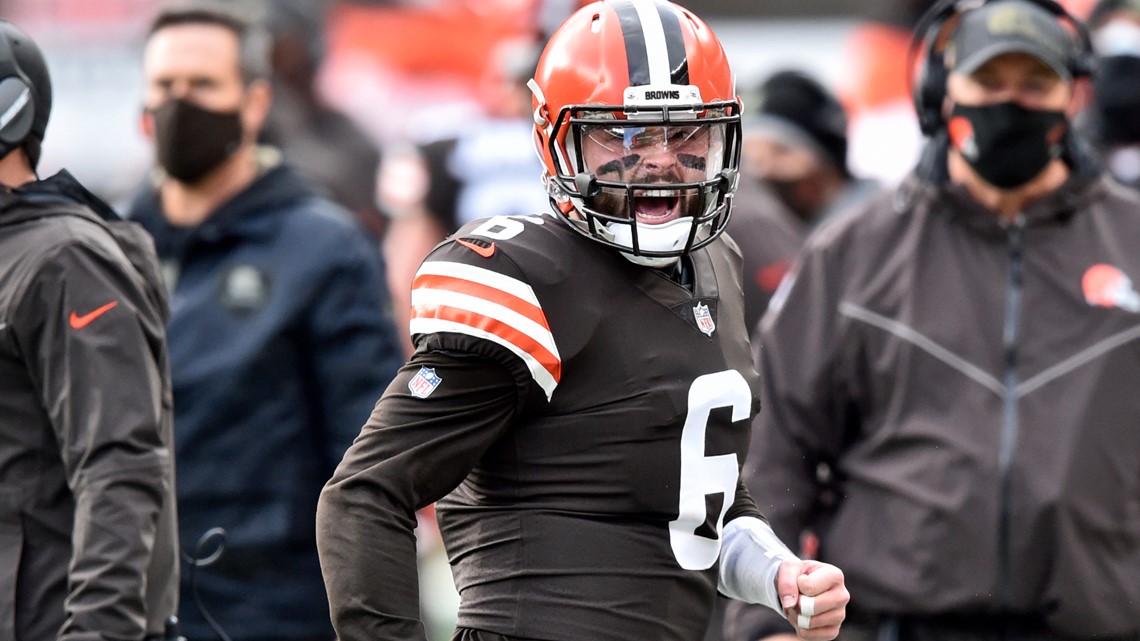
{"points": [[11, 545]]}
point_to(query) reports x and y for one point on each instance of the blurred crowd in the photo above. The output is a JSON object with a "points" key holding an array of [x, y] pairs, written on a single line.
{"points": [[383, 127]]}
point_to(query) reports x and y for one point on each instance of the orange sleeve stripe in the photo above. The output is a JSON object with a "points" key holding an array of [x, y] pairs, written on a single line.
{"points": [[549, 361], [484, 292]]}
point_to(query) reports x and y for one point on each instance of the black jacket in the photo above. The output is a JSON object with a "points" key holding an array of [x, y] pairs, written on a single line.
{"points": [[279, 348], [971, 385], [88, 547]]}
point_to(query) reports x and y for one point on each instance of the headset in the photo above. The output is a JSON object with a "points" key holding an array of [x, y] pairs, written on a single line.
{"points": [[25, 101], [928, 89]]}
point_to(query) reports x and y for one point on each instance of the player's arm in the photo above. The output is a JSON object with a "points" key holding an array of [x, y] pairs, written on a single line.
{"points": [[750, 554], [756, 567], [411, 452], [800, 426], [81, 328]]}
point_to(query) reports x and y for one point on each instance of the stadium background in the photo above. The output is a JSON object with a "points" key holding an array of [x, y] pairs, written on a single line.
{"points": [[408, 71]]}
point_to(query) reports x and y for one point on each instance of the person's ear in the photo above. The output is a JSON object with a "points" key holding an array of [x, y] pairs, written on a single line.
{"points": [[146, 123], [1082, 96], [259, 97]]}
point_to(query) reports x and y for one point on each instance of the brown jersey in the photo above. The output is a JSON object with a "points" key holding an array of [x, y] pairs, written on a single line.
{"points": [[591, 416]]}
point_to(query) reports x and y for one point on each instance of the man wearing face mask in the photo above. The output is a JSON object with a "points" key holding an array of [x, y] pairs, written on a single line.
{"points": [[793, 176], [949, 371], [1112, 121], [795, 143], [279, 340]]}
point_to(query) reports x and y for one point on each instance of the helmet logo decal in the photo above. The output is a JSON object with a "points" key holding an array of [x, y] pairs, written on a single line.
{"points": [[654, 47], [1107, 286]]}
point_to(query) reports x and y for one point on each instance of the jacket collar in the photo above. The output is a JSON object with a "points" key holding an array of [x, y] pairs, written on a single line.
{"points": [[930, 185], [31, 200], [252, 213]]}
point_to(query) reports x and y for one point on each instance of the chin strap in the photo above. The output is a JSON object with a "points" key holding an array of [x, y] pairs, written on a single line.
{"points": [[666, 237]]}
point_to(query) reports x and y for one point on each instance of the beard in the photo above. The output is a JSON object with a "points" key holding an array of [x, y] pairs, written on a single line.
{"points": [[649, 206]]}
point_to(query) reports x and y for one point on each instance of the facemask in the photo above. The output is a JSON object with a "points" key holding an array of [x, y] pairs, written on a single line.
{"points": [[1007, 144], [1116, 90], [191, 141]]}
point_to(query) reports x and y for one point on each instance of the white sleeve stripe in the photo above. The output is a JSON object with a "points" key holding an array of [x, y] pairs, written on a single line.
{"points": [[656, 50], [512, 286], [541, 376], [505, 315]]}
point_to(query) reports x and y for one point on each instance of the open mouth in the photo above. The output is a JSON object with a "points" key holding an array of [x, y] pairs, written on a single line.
{"points": [[654, 207]]}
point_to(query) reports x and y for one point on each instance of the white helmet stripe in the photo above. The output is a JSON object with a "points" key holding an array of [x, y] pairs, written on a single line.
{"points": [[655, 48], [647, 42]]}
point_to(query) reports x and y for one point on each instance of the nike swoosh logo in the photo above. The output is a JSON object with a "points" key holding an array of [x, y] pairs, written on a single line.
{"points": [[485, 252], [79, 322]]}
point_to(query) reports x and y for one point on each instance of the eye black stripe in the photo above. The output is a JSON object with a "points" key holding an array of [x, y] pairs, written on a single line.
{"points": [[675, 43], [632, 32]]}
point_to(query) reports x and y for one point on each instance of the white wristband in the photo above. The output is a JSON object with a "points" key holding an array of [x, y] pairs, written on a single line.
{"points": [[750, 557]]}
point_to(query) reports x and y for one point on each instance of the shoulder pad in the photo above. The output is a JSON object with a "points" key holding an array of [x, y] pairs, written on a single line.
{"points": [[466, 288]]}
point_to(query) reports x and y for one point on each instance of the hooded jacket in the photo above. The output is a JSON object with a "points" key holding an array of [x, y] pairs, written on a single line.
{"points": [[280, 345], [88, 548], [969, 386]]}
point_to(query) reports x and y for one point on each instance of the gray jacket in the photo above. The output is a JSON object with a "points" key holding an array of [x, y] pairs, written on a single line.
{"points": [[971, 387], [88, 547]]}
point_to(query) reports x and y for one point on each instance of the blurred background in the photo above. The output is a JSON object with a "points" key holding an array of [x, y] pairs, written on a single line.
{"points": [[412, 71], [406, 73]]}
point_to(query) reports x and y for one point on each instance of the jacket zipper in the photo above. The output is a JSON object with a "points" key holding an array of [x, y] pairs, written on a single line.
{"points": [[1009, 425]]}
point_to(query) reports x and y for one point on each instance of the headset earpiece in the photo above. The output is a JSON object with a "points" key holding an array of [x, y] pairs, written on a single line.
{"points": [[17, 100], [930, 87], [1083, 63], [17, 112], [1084, 66], [928, 90]]}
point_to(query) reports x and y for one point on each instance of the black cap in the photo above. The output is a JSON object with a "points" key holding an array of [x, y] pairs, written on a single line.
{"points": [[1011, 26], [797, 110]]}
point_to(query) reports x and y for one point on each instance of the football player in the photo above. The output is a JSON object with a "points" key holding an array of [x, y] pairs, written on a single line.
{"points": [[581, 394]]}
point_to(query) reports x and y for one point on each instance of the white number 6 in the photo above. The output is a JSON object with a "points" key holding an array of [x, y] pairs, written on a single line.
{"points": [[702, 475]]}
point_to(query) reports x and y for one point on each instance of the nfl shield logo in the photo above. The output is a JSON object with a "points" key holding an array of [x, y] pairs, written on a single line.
{"points": [[704, 319], [424, 382]]}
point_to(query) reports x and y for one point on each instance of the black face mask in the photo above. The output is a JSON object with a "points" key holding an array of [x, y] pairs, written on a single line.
{"points": [[1116, 91], [790, 193], [191, 141], [1007, 144]]}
